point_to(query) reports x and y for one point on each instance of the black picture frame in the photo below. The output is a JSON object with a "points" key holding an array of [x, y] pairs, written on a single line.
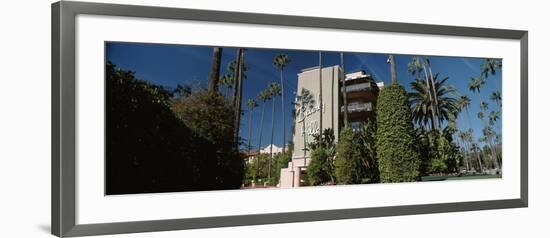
{"points": [[64, 107]]}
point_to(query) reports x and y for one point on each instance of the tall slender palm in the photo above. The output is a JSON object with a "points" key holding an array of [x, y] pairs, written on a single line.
{"points": [[304, 102], [495, 96], [470, 140], [393, 71], [423, 107], [428, 65], [464, 103], [344, 91], [251, 104], [263, 96], [274, 90], [320, 92], [213, 82], [462, 138], [417, 67], [227, 81], [494, 116], [475, 86], [280, 62], [490, 135], [238, 93], [483, 106], [490, 66]]}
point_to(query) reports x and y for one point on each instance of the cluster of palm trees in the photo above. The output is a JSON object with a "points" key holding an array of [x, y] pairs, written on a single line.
{"points": [[433, 102], [488, 68]]}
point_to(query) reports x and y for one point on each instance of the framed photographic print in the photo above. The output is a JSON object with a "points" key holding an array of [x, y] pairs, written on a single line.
{"points": [[167, 118]]}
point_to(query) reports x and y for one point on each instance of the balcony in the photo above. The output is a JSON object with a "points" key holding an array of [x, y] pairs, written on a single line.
{"points": [[358, 107], [358, 87]]}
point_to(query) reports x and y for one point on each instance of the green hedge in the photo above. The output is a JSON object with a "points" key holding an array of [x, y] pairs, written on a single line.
{"points": [[395, 141]]}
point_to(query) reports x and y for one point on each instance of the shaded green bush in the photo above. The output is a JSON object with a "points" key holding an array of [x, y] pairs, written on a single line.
{"points": [[366, 139], [147, 146], [151, 149], [320, 168], [395, 139], [349, 167]]}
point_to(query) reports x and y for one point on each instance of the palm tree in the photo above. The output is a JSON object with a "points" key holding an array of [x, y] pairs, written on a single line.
{"points": [[432, 79], [280, 61], [274, 90], [483, 106], [464, 103], [263, 96], [462, 137], [489, 135], [480, 115], [475, 86], [237, 100], [495, 96], [304, 102], [416, 67], [251, 104], [494, 116], [490, 67], [227, 81], [214, 78], [344, 91], [393, 71], [470, 139], [422, 106]]}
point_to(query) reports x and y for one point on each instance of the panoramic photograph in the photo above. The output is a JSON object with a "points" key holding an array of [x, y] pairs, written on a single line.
{"points": [[198, 118]]}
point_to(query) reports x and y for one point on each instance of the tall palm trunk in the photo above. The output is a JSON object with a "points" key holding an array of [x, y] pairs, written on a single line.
{"points": [[466, 161], [271, 142], [478, 158], [249, 130], [214, 79], [283, 109], [345, 93], [434, 119], [434, 93], [493, 151], [393, 70], [237, 101], [320, 92], [261, 129]]}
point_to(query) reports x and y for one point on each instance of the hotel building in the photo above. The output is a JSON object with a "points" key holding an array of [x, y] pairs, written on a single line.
{"points": [[326, 110]]}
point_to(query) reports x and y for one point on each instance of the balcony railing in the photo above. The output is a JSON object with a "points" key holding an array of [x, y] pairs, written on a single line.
{"points": [[358, 107], [358, 87]]}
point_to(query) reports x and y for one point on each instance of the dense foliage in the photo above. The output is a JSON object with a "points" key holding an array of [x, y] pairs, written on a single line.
{"points": [[395, 139], [210, 116], [367, 148], [151, 149], [349, 167], [321, 167], [146, 143]]}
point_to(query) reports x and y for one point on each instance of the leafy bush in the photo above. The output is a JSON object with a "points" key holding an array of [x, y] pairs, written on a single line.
{"points": [[320, 168], [349, 168], [395, 139], [157, 144], [147, 146], [367, 148], [210, 116]]}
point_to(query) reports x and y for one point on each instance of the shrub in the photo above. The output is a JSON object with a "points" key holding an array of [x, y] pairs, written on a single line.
{"points": [[320, 169], [349, 168], [395, 142], [367, 148]]}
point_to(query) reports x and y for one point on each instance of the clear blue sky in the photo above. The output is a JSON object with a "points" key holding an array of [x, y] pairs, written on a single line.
{"points": [[169, 65]]}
